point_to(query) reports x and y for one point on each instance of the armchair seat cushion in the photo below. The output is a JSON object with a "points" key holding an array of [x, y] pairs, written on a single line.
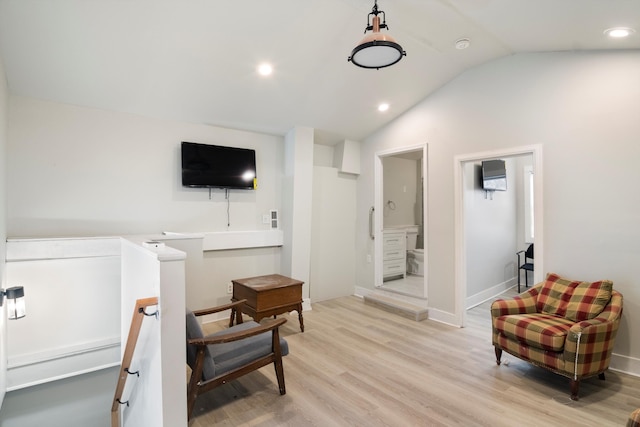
{"points": [[543, 331], [232, 355]]}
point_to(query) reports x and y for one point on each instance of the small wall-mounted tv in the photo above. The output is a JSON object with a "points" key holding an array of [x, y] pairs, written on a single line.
{"points": [[216, 166], [494, 175]]}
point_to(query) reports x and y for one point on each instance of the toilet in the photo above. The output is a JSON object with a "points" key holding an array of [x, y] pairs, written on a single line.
{"points": [[415, 257]]}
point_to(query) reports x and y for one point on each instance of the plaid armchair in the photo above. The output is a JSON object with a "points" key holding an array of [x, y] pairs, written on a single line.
{"points": [[634, 419], [568, 327]]}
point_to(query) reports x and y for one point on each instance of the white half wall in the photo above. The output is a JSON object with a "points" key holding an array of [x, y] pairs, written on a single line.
{"points": [[72, 295], [158, 395]]}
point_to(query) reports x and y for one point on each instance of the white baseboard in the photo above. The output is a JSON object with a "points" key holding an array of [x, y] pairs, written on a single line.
{"points": [[489, 294], [628, 365], [362, 292], [30, 370], [444, 317]]}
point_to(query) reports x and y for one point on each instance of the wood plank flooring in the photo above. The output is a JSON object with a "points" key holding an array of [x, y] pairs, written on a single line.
{"points": [[357, 365]]}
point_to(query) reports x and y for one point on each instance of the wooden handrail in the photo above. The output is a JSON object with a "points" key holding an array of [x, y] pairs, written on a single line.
{"points": [[132, 340]]}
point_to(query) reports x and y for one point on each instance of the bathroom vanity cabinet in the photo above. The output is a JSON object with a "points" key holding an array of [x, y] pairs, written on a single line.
{"points": [[394, 254]]}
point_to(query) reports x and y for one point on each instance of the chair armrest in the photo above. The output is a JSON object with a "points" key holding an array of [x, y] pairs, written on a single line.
{"points": [[592, 340], [236, 304], [270, 325], [520, 304]]}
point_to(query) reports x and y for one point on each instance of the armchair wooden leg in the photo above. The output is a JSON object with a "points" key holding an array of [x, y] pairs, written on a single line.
{"points": [[277, 362], [280, 375], [233, 314], [498, 354], [575, 385], [192, 394], [601, 376]]}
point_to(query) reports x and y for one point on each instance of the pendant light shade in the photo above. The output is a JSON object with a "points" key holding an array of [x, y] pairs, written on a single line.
{"points": [[376, 50]]}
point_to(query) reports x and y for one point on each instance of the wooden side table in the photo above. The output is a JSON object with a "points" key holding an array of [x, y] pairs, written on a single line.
{"points": [[268, 296]]}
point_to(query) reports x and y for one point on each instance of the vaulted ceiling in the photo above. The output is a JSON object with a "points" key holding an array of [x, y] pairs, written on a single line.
{"points": [[195, 60]]}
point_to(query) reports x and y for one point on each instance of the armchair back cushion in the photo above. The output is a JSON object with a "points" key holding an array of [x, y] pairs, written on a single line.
{"points": [[195, 331], [574, 300]]}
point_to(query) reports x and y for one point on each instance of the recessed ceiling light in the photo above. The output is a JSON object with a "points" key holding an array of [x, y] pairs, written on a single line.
{"points": [[619, 32], [463, 44], [383, 107], [265, 69]]}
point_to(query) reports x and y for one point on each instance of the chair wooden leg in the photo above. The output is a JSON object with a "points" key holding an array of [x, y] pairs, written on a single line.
{"points": [[233, 314], [575, 385], [498, 354], [280, 375], [192, 387], [601, 376], [192, 394], [277, 362]]}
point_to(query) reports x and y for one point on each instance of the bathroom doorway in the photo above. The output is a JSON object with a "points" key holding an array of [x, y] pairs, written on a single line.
{"points": [[400, 216]]}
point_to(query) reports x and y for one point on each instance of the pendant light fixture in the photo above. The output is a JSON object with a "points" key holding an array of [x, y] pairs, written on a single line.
{"points": [[376, 50]]}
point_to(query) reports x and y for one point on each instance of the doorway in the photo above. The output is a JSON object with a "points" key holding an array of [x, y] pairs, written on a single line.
{"points": [[400, 216], [464, 166]]}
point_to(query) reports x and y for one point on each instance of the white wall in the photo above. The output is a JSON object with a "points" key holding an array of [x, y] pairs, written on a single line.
{"points": [[80, 171], [333, 224], [296, 213], [583, 108], [400, 191], [4, 111], [490, 231]]}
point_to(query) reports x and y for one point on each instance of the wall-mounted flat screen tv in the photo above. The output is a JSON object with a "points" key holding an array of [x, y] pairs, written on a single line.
{"points": [[494, 175], [215, 166]]}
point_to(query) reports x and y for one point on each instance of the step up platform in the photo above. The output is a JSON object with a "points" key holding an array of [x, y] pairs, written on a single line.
{"points": [[396, 306]]}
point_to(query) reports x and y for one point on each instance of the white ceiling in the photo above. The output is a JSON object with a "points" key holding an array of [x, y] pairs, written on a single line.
{"points": [[195, 60]]}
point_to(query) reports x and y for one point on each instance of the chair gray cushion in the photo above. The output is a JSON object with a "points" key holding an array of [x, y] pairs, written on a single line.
{"points": [[229, 356], [195, 331]]}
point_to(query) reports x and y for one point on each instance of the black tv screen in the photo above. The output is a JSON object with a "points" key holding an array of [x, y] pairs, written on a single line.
{"points": [[494, 175], [215, 166]]}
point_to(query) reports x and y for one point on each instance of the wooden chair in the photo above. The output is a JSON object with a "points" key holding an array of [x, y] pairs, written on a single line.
{"points": [[229, 354]]}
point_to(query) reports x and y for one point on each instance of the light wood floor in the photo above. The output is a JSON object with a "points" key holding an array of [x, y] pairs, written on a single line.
{"points": [[357, 365]]}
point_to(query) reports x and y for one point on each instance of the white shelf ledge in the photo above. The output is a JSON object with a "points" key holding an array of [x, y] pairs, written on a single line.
{"points": [[222, 240]]}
